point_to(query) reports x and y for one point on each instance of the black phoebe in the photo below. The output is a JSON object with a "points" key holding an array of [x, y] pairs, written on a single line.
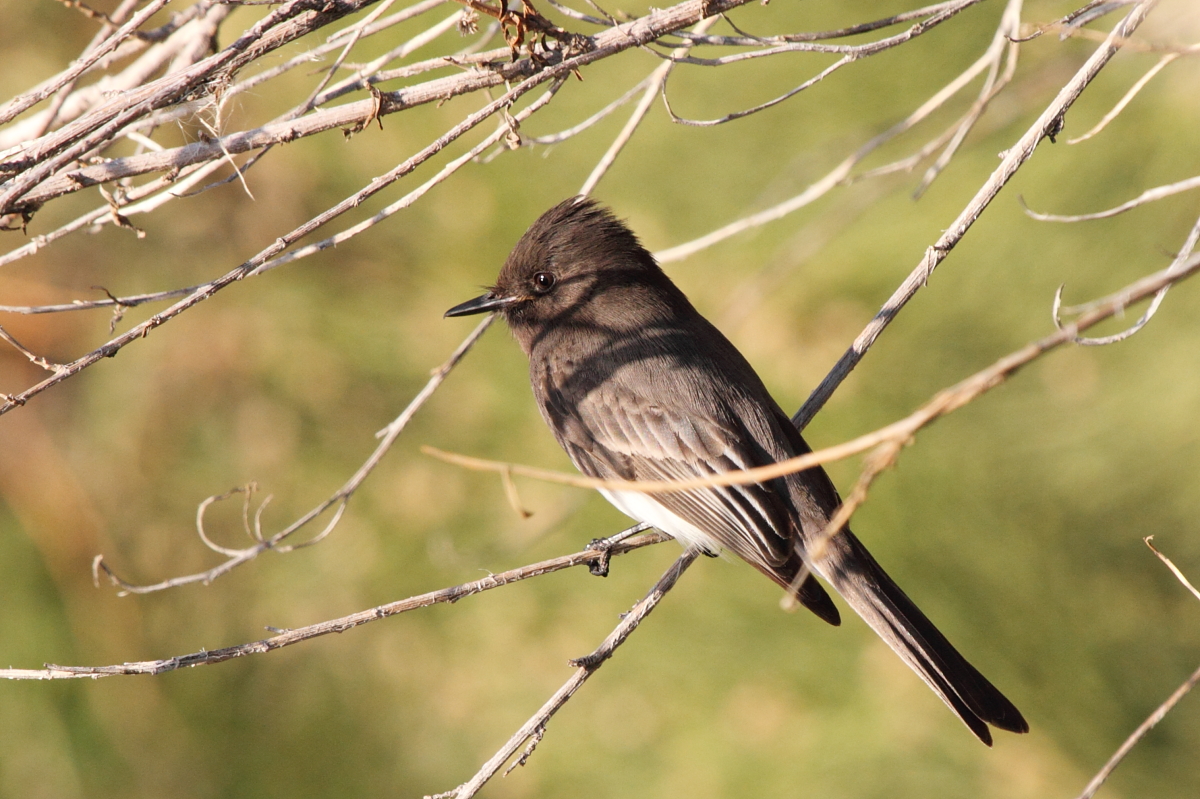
{"points": [[636, 385]]}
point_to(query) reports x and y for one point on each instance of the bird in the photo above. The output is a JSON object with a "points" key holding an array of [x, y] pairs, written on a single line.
{"points": [[635, 384]]}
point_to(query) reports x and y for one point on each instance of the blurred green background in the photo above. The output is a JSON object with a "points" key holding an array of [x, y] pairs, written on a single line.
{"points": [[1015, 523]]}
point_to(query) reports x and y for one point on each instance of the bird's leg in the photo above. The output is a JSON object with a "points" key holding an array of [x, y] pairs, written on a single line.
{"points": [[599, 567]]}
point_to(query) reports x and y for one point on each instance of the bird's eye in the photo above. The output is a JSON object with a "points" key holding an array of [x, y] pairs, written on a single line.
{"points": [[543, 282]]}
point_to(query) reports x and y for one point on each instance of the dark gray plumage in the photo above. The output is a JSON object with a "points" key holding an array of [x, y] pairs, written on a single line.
{"points": [[637, 385]]}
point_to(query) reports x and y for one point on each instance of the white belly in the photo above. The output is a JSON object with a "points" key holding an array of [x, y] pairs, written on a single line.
{"points": [[642, 508]]}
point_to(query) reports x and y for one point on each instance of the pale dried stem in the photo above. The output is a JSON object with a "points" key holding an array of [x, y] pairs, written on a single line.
{"points": [[1174, 569], [37, 185], [993, 84], [29, 354], [1148, 196], [502, 130], [332, 44], [813, 36], [850, 54], [21, 103], [603, 113], [194, 28], [55, 151], [197, 171], [100, 39], [1138, 734], [166, 188], [356, 33], [1124, 101]]}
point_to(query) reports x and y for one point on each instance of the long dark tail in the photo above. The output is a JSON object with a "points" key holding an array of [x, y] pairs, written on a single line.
{"points": [[853, 573]]}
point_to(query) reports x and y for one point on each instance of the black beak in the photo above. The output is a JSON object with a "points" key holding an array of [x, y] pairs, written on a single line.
{"points": [[480, 305]]}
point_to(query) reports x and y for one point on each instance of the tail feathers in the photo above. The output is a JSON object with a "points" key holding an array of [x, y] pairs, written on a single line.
{"points": [[849, 567], [811, 593]]}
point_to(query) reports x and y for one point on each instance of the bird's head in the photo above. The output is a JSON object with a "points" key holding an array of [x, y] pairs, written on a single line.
{"points": [[570, 266]]}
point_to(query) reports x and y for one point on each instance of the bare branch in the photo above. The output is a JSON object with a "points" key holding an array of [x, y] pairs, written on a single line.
{"points": [[36, 186], [841, 33], [332, 44], [183, 178], [23, 102], [1010, 23], [1138, 734], [295, 255], [585, 557], [504, 130], [45, 156], [29, 354], [634, 34], [604, 112], [194, 25], [1174, 569], [657, 80]]}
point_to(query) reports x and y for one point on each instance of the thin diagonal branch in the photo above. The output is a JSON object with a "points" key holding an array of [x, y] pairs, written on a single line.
{"points": [[1174, 569], [535, 727], [502, 131], [1136, 736], [1126, 99], [1049, 123], [338, 500], [851, 53], [1160, 712], [657, 79], [995, 82]]}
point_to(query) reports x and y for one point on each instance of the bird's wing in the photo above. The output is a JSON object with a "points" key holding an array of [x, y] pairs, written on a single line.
{"points": [[613, 432], [616, 433]]}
